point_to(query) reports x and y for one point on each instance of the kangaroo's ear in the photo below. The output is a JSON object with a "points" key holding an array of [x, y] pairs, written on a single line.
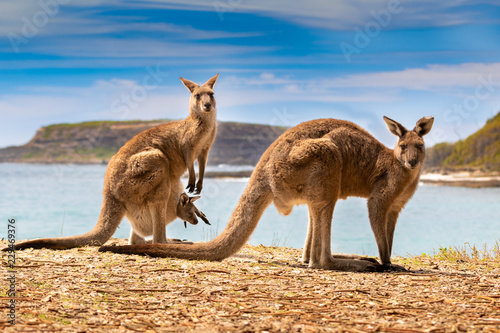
{"points": [[202, 216], [184, 199], [424, 125], [189, 84], [394, 127], [193, 199], [210, 83]]}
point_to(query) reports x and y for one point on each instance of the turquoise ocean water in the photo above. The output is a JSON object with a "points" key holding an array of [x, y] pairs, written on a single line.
{"points": [[55, 200]]}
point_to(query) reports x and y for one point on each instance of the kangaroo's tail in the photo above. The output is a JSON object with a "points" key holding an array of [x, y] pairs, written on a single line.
{"points": [[255, 199], [111, 215]]}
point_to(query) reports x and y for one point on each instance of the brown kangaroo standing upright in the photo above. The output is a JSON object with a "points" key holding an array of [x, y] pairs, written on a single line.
{"points": [[142, 181], [316, 163]]}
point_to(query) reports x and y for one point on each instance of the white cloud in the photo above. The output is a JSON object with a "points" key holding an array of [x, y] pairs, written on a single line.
{"points": [[386, 86], [267, 87], [36, 106], [31, 26], [428, 78], [109, 47], [73, 17], [12, 13], [75, 23], [342, 14], [104, 99], [35, 19]]}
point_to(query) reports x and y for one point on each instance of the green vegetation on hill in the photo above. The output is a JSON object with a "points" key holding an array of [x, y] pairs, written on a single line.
{"points": [[436, 155], [62, 127], [480, 150]]}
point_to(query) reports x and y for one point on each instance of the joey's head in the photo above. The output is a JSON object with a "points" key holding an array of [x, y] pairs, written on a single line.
{"points": [[187, 211], [410, 150], [202, 101]]}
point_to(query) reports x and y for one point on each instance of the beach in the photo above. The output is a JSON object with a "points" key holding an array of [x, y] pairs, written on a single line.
{"points": [[465, 179]]}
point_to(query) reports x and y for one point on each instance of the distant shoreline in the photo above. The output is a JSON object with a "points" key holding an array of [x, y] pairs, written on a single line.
{"points": [[461, 179], [228, 174], [464, 179]]}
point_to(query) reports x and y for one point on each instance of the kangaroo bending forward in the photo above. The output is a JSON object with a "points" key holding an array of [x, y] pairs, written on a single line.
{"points": [[142, 180], [316, 163]]}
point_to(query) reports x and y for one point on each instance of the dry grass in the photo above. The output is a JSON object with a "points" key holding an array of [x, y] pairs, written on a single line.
{"points": [[470, 253], [260, 289]]}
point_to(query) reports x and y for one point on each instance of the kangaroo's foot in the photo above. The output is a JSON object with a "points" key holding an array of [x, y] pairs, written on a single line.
{"points": [[348, 265], [199, 187], [354, 256], [191, 186], [370, 259], [394, 268]]}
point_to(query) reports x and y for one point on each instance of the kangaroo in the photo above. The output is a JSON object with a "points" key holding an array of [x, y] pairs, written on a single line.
{"points": [[142, 180], [187, 211], [316, 163]]}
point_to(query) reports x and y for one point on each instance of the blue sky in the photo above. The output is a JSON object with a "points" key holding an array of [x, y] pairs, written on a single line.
{"points": [[280, 62]]}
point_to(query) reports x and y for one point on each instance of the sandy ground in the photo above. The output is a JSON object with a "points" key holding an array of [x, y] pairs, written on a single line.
{"points": [[262, 289]]}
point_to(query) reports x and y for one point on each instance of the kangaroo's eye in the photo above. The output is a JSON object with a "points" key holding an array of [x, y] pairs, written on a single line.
{"points": [[420, 145], [197, 96], [403, 147], [211, 95]]}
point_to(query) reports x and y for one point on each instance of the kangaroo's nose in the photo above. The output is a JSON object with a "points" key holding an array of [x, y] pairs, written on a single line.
{"points": [[413, 163], [207, 106]]}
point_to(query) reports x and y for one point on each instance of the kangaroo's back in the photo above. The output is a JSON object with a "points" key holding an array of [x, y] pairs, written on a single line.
{"points": [[349, 149], [165, 138], [349, 136]]}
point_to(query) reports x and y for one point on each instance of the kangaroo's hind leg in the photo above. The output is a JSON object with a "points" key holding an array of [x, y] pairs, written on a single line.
{"points": [[313, 156], [135, 238], [307, 248], [159, 214], [306, 254], [319, 247], [320, 252]]}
